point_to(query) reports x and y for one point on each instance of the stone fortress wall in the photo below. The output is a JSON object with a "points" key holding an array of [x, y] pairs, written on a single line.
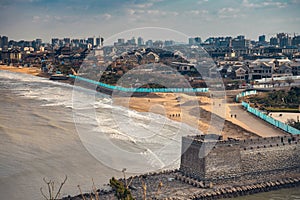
{"points": [[211, 159]]}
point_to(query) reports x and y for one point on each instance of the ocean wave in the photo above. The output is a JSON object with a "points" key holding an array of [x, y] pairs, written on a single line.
{"points": [[95, 112]]}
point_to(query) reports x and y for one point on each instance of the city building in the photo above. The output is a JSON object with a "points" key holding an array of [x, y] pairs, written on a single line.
{"points": [[261, 68], [274, 41], [54, 41], [262, 39], [4, 42], [99, 41], [132, 41], [296, 40], [140, 41], [121, 41], [149, 43], [169, 43], [240, 42], [15, 55], [192, 41], [284, 39], [67, 41], [195, 41], [90, 40]]}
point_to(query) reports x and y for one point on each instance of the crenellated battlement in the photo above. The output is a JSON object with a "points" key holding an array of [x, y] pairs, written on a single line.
{"points": [[218, 141], [209, 158]]}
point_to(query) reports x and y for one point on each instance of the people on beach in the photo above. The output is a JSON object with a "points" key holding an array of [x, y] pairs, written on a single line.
{"points": [[174, 115]]}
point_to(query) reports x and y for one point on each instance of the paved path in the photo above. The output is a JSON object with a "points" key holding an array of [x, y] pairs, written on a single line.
{"points": [[243, 118], [250, 122]]}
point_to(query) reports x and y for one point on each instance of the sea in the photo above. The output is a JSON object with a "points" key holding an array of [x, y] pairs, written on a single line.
{"points": [[49, 130]]}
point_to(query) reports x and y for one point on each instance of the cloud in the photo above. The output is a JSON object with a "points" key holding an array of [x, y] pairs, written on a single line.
{"points": [[43, 18], [107, 16], [150, 13], [62, 19], [132, 12], [262, 4], [202, 1], [228, 10], [145, 5], [156, 1], [229, 13], [159, 13], [198, 12], [295, 1], [36, 18]]}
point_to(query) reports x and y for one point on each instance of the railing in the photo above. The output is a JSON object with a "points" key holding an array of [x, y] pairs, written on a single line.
{"points": [[271, 120], [146, 90]]}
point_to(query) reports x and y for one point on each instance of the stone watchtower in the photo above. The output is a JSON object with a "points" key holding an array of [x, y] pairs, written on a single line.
{"points": [[208, 158]]}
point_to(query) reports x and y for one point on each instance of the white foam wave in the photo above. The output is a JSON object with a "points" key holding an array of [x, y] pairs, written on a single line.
{"points": [[95, 116]]}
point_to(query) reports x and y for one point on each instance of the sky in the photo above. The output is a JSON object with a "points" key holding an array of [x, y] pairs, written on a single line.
{"points": [[31, 19]]}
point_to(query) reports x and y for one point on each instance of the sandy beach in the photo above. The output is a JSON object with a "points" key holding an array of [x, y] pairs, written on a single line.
{"points": [[192, 110], [26, 70], [187, 109]]}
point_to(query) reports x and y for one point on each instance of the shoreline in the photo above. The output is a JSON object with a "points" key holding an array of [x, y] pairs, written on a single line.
{"points": [[175, 106], [179, 107]]}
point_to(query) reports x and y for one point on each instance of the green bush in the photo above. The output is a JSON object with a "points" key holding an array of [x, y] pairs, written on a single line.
{"points": [[121, 191], [279, 100]]}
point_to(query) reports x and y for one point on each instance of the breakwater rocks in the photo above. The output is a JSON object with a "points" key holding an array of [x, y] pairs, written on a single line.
{"points": [[173, 185], [235, 191]]}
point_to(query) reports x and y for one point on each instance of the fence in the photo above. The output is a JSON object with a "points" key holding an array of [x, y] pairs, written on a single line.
{"points": [[146, 90], [243, 94], [271, 120]]}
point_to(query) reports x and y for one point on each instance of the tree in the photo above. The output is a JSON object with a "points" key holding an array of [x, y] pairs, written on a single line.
{"points": [[50, 184], [122, 192]]}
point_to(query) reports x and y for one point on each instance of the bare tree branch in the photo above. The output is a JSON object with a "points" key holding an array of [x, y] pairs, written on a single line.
{"points": [[61, 185], [52, 190], [95, 190], [41, 189], [49, 188], [130, 181], [81, 192]]}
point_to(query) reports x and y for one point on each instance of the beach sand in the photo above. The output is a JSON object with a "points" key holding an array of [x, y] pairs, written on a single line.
{"points": [[192, 110], [26, 70], [188, 109]]}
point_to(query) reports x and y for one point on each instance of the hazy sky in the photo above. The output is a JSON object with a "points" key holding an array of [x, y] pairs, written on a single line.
{"points": [[30, 19]]}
